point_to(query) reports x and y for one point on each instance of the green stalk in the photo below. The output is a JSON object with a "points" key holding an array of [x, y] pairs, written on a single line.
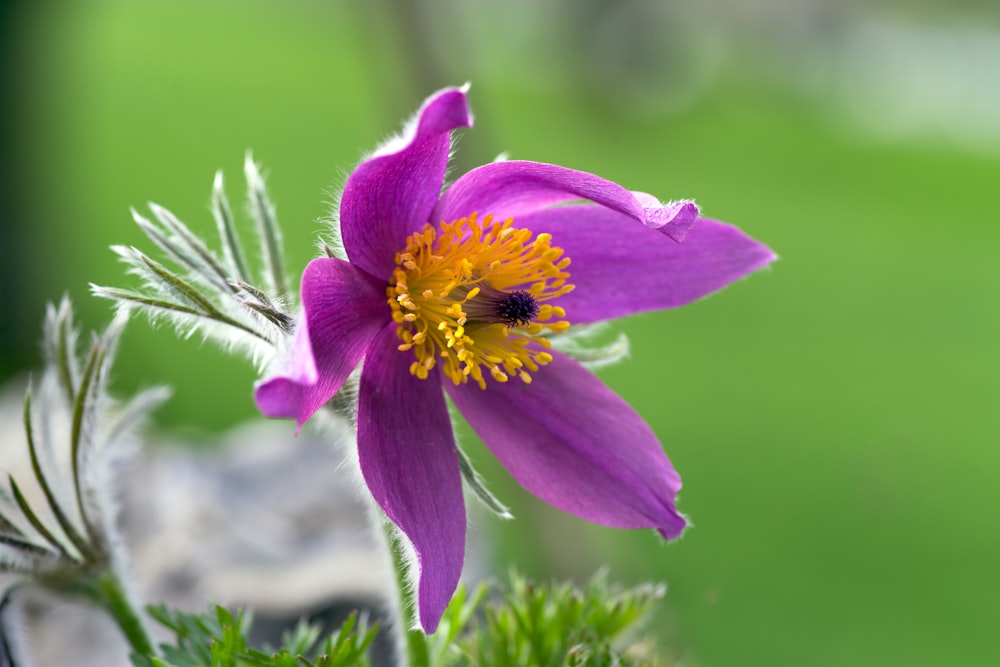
{"points": [[414, 644], [112, 596]]}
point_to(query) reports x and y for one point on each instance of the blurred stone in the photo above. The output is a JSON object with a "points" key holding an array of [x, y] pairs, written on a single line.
{"points": [[265, 520]]}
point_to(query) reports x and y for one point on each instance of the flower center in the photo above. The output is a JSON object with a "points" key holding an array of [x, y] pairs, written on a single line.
{"points": [[472, 297]]}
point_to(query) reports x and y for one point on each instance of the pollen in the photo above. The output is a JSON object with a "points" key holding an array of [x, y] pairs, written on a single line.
{"points": [[472, 298]]}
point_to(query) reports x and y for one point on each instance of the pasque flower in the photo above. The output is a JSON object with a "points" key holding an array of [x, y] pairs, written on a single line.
{"points": [[460, 292]]}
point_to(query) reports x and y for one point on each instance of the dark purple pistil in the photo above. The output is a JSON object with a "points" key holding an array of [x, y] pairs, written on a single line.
{"points": [[517, 308]]}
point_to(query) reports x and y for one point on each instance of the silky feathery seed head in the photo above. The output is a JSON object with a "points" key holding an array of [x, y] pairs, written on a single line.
{"points": [[472, 296]]}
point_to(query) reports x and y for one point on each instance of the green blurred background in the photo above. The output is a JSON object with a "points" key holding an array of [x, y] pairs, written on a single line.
{"points": [[835, 418]]}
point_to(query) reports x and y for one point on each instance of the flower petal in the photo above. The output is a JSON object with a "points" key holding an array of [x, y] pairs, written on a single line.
{"points": [[391, 195], [517, 188], [409, 460], [577, 445], [620, 268], [344, 308], [674, 219]]}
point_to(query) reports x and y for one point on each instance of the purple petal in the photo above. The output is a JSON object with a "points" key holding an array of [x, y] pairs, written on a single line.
{"points": [[344, 308], [517, 188], [577, 445], [620, 268], [408, 458], [674, 219], [391, 195]]}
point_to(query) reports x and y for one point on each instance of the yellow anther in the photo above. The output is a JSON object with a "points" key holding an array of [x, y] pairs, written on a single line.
{"points": [[446, 292], [498, 374]]}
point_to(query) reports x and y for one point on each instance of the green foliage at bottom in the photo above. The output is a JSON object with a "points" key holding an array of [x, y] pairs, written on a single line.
{"points": [[219, 640], [520, 625], [552, 625]]}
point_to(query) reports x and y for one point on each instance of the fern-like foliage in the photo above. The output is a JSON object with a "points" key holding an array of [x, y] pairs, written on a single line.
{"points": [[60, 521], [521, 625], [200, 291], [552, 625], [219, 640], [57, 525]]}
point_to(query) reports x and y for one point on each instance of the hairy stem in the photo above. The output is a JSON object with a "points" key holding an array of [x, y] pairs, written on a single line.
{"points": [[115, 599], [412, 645]]}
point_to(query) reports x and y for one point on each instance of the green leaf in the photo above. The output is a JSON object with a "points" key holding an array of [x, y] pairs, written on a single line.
{"points": [[78, 541], [219, 640], [181, 287], [117, 294], [179, 254], [276, 317], [23, 545], [302, 638], [549, 625], [231, 248], [204, 261], [67, 351], [580, 345], [35, 522], [476, 484], [198, 303], [262, 211], [81, 409]]}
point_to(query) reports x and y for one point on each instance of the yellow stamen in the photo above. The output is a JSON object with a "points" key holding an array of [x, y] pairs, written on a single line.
{"points": [[471, 296]]}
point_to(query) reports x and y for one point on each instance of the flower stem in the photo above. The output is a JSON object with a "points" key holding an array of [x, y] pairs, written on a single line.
{"points": [[116, 601], [413, 644]]}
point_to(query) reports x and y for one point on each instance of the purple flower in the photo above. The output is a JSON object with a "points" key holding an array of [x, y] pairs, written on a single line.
{"points": [[459, 291]]}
